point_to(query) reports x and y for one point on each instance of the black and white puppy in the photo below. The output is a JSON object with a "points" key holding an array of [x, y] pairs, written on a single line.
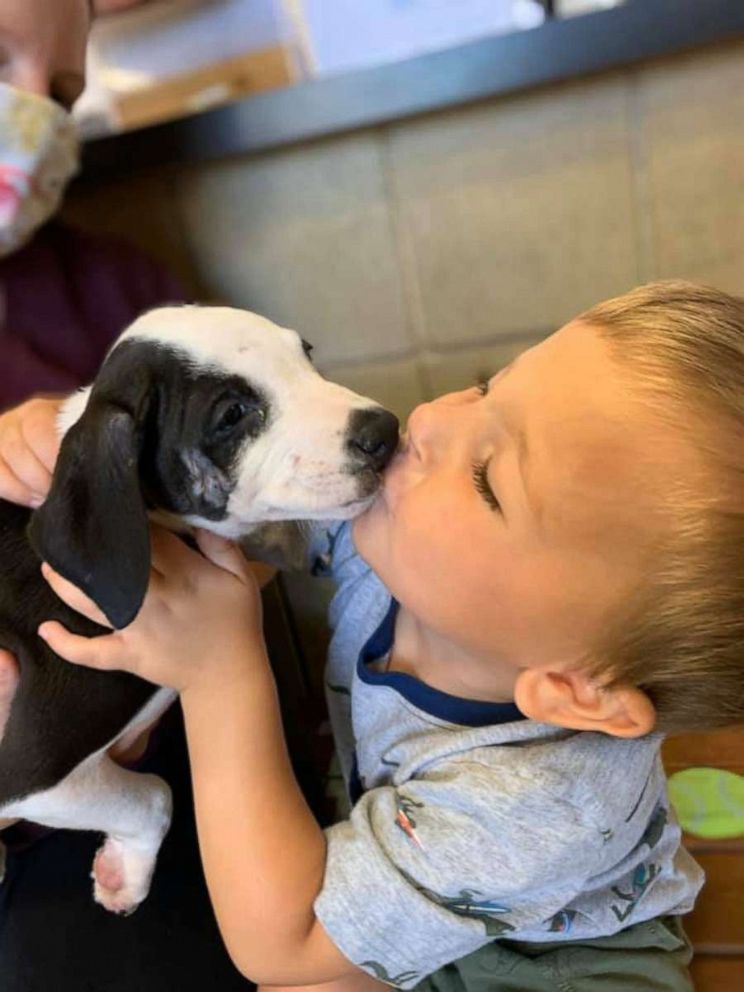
{"points": [[203, 416]]}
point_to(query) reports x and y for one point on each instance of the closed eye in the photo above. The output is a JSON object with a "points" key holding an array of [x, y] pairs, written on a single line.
{"points": [[483, 486], [307, 348], [483, 383]]}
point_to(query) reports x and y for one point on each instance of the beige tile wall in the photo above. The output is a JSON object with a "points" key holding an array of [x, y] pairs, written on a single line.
{"points": [[691, 122], [306, 237], [516, 214]]}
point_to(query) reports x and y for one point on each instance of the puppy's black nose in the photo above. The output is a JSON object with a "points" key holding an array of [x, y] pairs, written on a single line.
{"points": [[373, 436]]}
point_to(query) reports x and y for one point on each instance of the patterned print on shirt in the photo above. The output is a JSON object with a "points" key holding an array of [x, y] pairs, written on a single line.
{"points": [[653, 832], [381, 974], [643, 876], [404, 818]]}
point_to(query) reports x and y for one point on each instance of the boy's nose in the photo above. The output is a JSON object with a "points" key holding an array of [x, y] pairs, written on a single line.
{"points": [[439, 421], [426, 425]]}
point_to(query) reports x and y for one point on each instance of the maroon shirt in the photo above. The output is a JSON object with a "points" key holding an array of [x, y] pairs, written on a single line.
{"points": [[63, 299]]}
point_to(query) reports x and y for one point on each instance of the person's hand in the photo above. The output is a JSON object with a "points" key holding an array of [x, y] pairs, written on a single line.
{"points": [[29, 443], [200, 623], [9, 677]]}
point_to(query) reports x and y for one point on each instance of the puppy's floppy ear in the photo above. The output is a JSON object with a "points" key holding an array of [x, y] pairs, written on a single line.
{"points": [[93, 527]]}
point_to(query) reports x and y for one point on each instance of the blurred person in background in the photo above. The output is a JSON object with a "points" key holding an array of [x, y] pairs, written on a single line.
{"points": [[64, 297]]}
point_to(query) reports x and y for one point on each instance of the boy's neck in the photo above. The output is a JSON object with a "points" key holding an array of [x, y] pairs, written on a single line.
{"points": [[444, 665]]}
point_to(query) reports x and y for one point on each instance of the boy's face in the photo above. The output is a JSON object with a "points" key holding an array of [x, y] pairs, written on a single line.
{"points": [[576, 466]]}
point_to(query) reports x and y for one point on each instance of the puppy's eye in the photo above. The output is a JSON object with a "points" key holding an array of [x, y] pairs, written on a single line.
{"points": [[232, 412], [307, 348], [232, 416]]}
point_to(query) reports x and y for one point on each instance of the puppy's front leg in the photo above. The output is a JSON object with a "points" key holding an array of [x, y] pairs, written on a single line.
{"points": [[133, 811]]}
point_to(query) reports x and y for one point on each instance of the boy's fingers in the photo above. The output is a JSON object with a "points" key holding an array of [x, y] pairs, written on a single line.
{"points": [[24, 460], [20, 461], [46, 449], [103, 653], [9, 679], [12, 489], [39, 430], [168, 551], [32, 474], [75, 598], [9, 674], [223, 553]]}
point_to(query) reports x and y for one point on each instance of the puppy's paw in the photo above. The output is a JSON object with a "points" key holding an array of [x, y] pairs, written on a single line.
{"points": [[121, 876]]}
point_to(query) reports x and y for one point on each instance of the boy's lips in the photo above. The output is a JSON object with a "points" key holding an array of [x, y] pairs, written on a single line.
{"points": [[400, 456], [393, 474], [407, 446]]}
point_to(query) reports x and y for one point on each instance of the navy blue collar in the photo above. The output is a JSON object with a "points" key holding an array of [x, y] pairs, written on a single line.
{"points": [[453, 709]]}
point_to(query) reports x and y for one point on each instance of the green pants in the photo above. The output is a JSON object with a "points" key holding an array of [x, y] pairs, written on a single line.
{"points": [[651, 956]]}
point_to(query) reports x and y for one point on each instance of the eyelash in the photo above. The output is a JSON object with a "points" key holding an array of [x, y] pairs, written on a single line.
{"points": [[483, 486], [480, 469]]}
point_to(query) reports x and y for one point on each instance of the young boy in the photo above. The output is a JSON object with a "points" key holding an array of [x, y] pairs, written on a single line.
{"points": [[550, 580]]}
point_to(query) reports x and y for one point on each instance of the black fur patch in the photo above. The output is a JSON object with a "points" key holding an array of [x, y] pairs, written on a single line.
{"points": [[186, 463]]}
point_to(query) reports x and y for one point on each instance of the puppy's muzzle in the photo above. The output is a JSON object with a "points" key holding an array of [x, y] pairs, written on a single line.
{"points": [[373, 438]]}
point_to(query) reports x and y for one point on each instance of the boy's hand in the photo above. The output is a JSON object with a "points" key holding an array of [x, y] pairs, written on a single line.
{"points": [[29, 443], [200, 624]]}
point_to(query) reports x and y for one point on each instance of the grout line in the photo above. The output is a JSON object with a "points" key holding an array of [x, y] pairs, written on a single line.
{"points": [[410, 284]]}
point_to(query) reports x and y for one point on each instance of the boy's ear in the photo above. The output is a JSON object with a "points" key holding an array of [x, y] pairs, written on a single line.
{"points": [[577, 702]]}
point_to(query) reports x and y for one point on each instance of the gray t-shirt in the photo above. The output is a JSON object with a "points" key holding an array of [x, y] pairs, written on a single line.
{"points": [[470, 822]]}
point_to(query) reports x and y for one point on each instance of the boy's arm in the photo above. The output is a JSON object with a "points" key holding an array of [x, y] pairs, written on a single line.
{"points": [[199, 632], [263, 852]]}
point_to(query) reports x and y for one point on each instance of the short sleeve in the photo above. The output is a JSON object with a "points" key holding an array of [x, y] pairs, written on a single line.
{"points": [[425, 873]]}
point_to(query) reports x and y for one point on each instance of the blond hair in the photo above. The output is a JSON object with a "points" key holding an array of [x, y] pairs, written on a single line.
{"points": [[680, 635]]}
